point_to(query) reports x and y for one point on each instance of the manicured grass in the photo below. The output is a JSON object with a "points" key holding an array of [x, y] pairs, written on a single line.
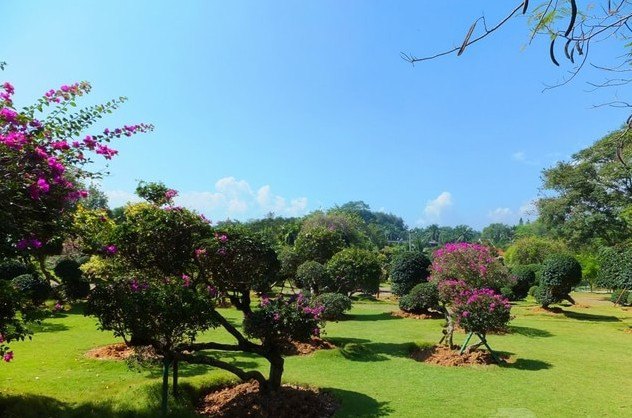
{"points": [[574, 364]]}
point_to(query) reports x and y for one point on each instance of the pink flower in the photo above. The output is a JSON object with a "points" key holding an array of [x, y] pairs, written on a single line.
{"points": [[110, 249], [223, 238], [465, 314], [186, 280], [8, 356], [170, 194], [89, 142], [8, 87], [200, 252], [9, 115]]}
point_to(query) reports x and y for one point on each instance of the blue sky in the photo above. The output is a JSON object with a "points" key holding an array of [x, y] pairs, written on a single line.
{"points": [[295, 106]]}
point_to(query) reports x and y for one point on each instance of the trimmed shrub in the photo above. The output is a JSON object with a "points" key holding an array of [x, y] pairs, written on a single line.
{"points": [[533, 290], [407, 270], [354, 269], [334, 304], [622, 297], [13, 268], [421, 299], [32, 287], [525, 278], [73, 284], [560, 273], [313, 276]]}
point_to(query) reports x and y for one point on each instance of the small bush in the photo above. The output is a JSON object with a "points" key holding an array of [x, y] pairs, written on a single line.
{"points": [[407, 270], [533, 290], [32, 287], [313, 276], [421, 299], [73, 284], [622, 297], [13, 268], [482, 311], [334, 304], [525, 278]]}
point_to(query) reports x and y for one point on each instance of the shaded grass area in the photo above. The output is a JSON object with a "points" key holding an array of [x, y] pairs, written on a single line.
{"points": [[581, 355]]}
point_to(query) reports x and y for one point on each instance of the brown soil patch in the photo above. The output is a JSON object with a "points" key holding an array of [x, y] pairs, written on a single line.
{"points": [[303, 348], [548, 311], [244, 400], [402, 314], [582, 306], [628, 331], [444, 356], [120, 351]]}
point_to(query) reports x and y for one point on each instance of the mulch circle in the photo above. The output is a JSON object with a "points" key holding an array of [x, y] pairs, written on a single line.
{"points": [[444, 356], [120, 351], [244, 400], [299, 348], [402, 314]]}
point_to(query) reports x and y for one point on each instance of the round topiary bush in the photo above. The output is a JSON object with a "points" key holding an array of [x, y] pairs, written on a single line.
{"points": [[13, 268], [313, 276], [73, 284], [407, 270], [421, 299], [334, 304], [525, 278], [32, 287], [533, 290], [560, 273], [355, 269]]}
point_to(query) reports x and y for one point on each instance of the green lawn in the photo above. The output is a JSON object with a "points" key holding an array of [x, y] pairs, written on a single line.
{"points": [[574, 364]]}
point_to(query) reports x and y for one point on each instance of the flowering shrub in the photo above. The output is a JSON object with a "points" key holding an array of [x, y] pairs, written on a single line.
{"points": [[284, 319], [469, 278], [475, 264], [482, 311], [44, 149]]}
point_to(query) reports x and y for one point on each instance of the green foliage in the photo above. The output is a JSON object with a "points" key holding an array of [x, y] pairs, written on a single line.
{"points": [[283, 319], [238, 261], [32, 287], [421, 299], [313, 276], [525, 278], [334, 305], [615, 268], [560, 273], [67, 270], [73, 284], [498, 234], [355, 269], [166, 312], [592, 193], [289, 261], [155, 193], [318, 244], [532, 250], [622, 297], [407, 270], [94, 227], [13, 268], [157, 238]]}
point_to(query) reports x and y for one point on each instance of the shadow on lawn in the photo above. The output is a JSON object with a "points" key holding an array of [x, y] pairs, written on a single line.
{"points": [[590, 317], [357, 349], [527, 364], [529, 332], [37, 406], [356, 404], [189, 370], [49, 327], [373, 317]]}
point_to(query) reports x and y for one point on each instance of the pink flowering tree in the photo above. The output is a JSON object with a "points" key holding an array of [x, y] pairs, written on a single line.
{"points": [[469, 278], [176, 268], [44, 152]]}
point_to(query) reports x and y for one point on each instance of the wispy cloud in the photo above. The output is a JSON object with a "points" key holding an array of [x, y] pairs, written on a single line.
{"points": [[229, 198]]}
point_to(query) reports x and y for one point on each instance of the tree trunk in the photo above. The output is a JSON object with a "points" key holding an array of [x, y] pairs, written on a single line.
{"points": [[276, 372], [175, 378], [165, 385]]}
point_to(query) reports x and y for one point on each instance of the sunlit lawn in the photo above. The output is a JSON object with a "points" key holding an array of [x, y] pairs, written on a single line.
{"points": [[573, 364]]}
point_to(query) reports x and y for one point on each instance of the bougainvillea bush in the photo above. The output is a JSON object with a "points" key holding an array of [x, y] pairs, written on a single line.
{"points": [[44, 149], [469, 278]]}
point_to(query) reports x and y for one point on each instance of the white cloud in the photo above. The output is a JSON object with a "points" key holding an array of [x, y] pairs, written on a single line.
{"points": [[436, 207], [521, 157], [501, 215], [230, 198]]}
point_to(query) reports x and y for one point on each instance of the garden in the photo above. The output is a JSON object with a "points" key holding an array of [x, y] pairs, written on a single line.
{"points": [[151, 309]]}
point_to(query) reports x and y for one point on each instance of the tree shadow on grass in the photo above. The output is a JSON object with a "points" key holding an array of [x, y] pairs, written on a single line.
{"points": [[356, 349], [37, 406], [46, 326], [354, 404], [189, 370], [590, 317], [374, 317], [526, 364], [529, 332]]}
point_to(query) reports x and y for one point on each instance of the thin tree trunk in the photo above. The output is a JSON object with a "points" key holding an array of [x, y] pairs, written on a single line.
{"points": [[175, 378], [165, 385]]}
